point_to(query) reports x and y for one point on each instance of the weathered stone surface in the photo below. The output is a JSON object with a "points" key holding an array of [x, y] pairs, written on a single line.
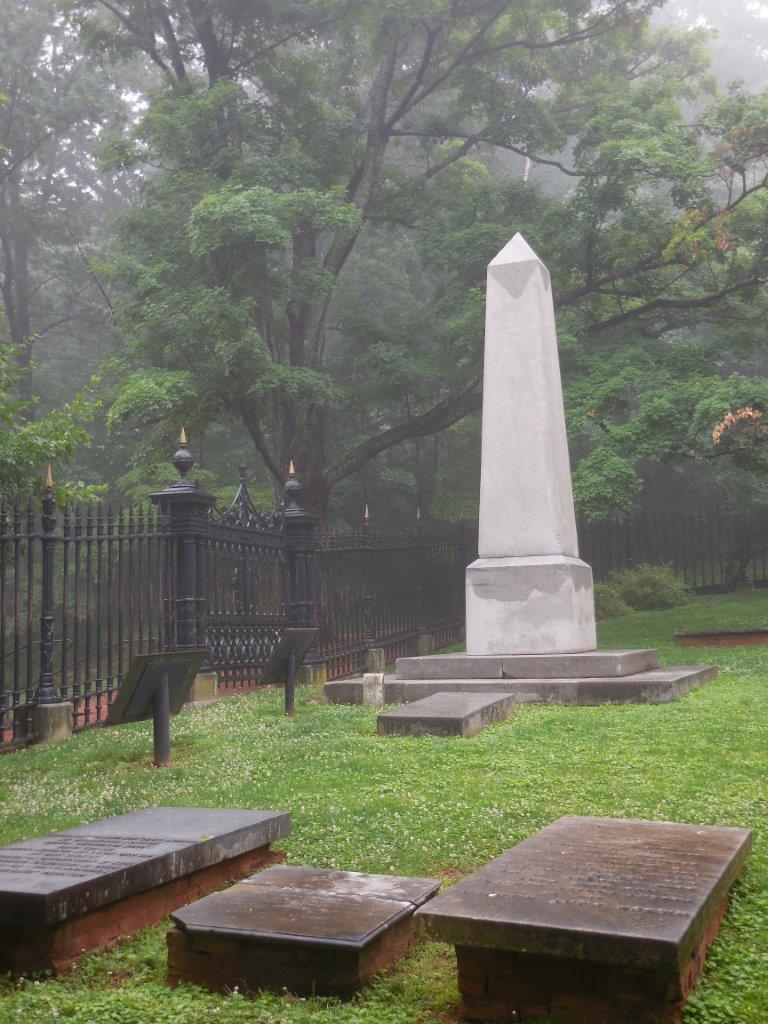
{"points": [[587, 664], [205, 688], [366, 689], [34, 947], [656, 686], [608, 890], [375, 659], [306, 930], [528, 593], [537, 604], [52, 722], [425, 644], [447, 714], [626, 905], [57, 877], [526, 506]]}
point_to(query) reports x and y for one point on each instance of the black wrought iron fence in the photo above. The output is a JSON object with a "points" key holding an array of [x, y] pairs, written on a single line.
{"points": [[84, 588], [715, 548], [383, 588]]}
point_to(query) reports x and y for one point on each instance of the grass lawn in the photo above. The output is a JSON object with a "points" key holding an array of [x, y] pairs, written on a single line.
{"points": [[427, 806]]}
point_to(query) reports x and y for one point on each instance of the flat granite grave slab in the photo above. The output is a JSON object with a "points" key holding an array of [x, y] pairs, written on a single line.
{"points": [[655, 686], [90, 886], [447, 714], [588, 664], [591, 920], [305, 930]]}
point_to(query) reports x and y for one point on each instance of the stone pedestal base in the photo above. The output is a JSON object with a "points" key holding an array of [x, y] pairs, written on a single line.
{"points": [[501, 986], [367, 689], [52, 721], [204, 688], [313, 675], [425, 645], [375, 659], [27, 949], [541, 604]]}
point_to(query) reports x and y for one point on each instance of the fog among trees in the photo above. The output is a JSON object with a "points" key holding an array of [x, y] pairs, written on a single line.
{"points": [[268, 222]]}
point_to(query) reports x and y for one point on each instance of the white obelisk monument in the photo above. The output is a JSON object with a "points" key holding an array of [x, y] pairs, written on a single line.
{"points": [[528, 592]]}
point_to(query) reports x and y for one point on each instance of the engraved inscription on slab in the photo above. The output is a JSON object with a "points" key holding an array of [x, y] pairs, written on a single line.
{"points": [[59, 876], [607, 889], [77, 856]]}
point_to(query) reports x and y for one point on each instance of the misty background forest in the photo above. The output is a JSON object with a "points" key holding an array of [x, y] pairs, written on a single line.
{"points": [[269, 222]]}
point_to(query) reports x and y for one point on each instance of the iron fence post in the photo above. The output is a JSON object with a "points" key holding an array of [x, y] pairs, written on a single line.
{"points": [[185, 508], [46, 692], [301, 546]]}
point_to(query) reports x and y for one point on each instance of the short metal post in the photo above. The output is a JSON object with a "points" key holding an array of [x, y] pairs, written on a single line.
{"points": [[161, 723], [290, 682]]}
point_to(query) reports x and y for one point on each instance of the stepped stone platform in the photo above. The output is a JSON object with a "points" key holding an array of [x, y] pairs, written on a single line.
{"points": [[447, 714], [590, 920], [91, 886], [592, 677], [307, 930]]}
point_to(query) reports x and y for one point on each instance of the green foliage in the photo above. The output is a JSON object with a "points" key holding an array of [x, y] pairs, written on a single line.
{"points": [[27, 445], [604, 482], [310, 246], [424, 806], [650, 587], [609, 604]]}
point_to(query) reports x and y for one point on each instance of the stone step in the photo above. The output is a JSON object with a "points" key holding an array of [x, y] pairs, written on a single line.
{"points": [[447, 714], [657, 686], [585, 665]]}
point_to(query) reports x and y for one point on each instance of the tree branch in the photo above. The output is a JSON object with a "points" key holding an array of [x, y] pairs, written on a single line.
{"points": [[482, 140], [447, 412]]}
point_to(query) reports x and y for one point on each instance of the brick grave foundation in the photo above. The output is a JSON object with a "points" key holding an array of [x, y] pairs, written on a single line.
{"points": [[589, 921], [309, 931], [496, 985], [87, 888], [30, 948]]}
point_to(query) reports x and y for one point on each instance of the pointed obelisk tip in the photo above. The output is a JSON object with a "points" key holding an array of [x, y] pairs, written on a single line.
{"points": [[516, 250]]}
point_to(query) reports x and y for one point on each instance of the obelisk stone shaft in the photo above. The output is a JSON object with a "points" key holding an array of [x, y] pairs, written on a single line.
{"points": [[528, 592], [526, 504]]}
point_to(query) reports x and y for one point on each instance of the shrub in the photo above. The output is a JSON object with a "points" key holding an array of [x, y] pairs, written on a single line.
{"points": [[609, 603], [651, 587]]}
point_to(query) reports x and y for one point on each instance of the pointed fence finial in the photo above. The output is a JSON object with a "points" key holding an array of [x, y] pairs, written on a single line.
{"points": [[291, 492], [418, 512], [366, 513], [49, 478], [183, 461]]}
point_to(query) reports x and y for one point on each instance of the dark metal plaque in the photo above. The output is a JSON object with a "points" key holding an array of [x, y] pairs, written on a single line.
{"points": [[298, 640], [134, 701], [600, 889]]}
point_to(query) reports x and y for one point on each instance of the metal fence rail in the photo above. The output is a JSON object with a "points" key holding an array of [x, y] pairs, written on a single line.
{"points": [[383, 588], [714, 548]]}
